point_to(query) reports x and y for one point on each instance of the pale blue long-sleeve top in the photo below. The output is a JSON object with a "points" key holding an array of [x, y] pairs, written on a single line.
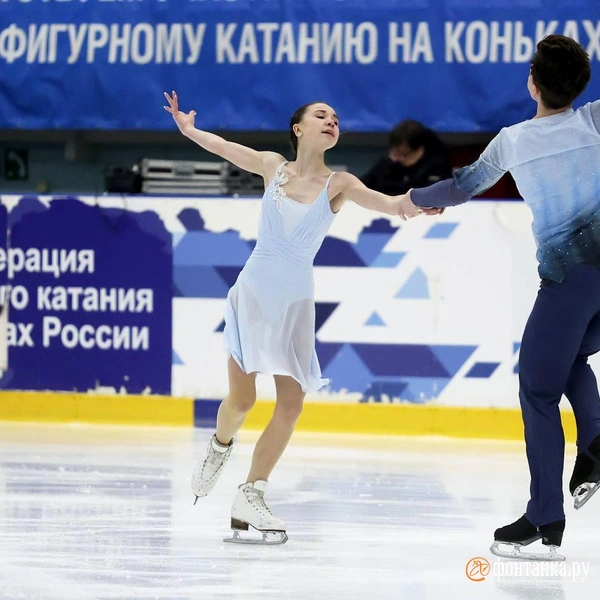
{"points": [[555, 162]]}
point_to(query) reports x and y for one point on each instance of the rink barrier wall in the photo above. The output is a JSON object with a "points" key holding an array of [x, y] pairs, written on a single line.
{"points": [[426, 313], [322, 417]]}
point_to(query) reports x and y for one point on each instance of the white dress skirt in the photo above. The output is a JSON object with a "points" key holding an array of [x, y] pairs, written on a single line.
{"points": [[270, 310]]}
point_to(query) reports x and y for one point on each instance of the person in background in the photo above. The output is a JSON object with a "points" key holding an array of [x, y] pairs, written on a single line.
{"points": [[416, 158]]}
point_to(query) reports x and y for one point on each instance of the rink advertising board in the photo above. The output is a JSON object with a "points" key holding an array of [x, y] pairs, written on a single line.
{"points": [[456, 65], [132, 298], [89, 298]]}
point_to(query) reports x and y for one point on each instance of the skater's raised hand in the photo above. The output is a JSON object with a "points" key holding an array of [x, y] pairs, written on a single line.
{"points": [[185, 121]]}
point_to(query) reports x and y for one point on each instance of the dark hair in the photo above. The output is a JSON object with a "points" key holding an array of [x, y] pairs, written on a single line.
{"points": [[411, 133], [560, 69], [296, 118]]}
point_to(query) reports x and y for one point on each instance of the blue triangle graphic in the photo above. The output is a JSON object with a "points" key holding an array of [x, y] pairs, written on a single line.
{"points": [[375, 320], [348, 372], [453, 357], [415, 287], [370, 245], [176, 359], [177, 237]]}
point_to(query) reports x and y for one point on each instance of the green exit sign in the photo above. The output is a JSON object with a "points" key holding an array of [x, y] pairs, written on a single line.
{"points": [[16, 164]]}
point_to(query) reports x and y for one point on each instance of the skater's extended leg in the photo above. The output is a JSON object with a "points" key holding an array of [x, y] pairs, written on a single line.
{"points": [[231, 414], [278, 432], [582, 389], [582, 392], [237, 404], [249, 508], [551, 342]]}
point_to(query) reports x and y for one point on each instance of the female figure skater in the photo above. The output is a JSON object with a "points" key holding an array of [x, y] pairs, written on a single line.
{"points": [[270, 312]]}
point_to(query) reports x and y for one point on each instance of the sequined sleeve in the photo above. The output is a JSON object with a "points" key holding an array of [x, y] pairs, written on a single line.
{"points": [[467, 181], [439, 195]]}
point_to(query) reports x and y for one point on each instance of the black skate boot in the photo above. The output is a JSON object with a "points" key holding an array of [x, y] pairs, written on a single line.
{"points": [[522, 533], [585, 480]]}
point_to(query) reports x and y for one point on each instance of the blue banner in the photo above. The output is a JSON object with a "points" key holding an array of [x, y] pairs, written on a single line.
{"points": [[90, 298], [456, 65]]}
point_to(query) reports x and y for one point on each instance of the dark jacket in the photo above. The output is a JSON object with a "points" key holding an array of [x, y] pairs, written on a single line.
{"points": [[392, 178]]}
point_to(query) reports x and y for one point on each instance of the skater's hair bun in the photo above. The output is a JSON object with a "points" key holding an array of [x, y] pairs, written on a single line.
{"points": [[560, 69]]}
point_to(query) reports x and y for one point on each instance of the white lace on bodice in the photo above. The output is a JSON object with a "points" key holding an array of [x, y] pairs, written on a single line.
{"points": [[279, 180]]}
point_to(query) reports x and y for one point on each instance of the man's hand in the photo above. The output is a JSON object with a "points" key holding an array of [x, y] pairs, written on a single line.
{"points": [[407, 210], [433, 211]]}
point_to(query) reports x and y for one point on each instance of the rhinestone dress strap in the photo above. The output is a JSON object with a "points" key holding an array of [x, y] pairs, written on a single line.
{"points": [[279, 180]]}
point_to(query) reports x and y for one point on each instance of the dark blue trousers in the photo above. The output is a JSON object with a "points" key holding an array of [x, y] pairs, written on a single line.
{"points": [[561, 332]]}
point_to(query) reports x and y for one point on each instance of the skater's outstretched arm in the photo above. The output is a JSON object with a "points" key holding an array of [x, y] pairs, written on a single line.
{"points": [[261, 163], [352, 188], [467, 181]]}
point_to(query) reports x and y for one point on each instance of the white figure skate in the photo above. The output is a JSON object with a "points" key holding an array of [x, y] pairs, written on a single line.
{"points": [[209, 467], [250, 510]]}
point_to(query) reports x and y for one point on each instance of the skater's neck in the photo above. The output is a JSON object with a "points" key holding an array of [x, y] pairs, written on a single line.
{"points": [[544, 111], [309, 162]]}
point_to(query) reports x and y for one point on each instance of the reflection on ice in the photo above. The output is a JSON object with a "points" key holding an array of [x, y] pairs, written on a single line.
{"points": [[107, 512]]}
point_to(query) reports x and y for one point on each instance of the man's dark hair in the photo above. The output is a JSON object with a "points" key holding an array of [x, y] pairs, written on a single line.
{"points": [[560, 69], [411, 133], [415, 135]]}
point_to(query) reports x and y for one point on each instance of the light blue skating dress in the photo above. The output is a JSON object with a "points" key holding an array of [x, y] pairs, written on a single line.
{"points": [[270, 311]]}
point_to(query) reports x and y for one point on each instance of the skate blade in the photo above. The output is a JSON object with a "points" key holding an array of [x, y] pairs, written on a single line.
{"points": [[269, 538], [583, 493], [516, 553]]}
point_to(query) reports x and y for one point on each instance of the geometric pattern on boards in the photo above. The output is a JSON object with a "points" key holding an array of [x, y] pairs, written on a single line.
{"points": [[206, 265], [516, 348], [370, 245], [198, 282], [323, 310], [348, 371], [335, 252], [394, 372], [482, 370], [375, 321], [413, 360], [441, 231], [373, 239], [416, 390], [415, 287], [388, 260], [205, 248], [326, 352], [191, 219]]}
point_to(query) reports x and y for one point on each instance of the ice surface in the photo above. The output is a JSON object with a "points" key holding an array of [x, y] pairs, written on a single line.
{"points": [[91, 512]]}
